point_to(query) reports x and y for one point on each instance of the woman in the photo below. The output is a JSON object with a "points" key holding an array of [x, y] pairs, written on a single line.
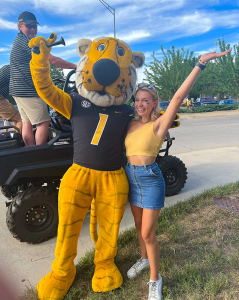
{"points": [[144, 139]]}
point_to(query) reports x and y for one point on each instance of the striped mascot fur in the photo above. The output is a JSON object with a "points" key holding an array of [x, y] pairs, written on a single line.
{"points": [[105, 80]]}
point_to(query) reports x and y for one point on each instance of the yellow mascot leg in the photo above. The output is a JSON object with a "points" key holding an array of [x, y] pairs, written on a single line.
{"points": [[110, 202], [75, 195]]}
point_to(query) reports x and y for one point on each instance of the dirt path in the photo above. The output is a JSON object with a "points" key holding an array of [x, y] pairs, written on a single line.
{"points": [[224, 113]]}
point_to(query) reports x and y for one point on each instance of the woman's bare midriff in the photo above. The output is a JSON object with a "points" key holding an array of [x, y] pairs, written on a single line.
{"points": [[140, 160]]}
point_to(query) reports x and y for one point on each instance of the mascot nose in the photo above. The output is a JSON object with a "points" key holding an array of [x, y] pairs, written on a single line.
{"points": [[106, 72]]}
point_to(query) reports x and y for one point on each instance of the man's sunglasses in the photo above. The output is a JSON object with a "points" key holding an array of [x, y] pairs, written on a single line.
{"points": [[147, 85], [30, 26]]}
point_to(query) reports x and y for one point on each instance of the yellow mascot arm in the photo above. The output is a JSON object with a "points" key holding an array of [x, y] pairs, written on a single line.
{"points": [[40, 71], [175, 123]]}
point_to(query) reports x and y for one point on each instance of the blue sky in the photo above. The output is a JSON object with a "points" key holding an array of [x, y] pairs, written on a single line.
{"points": [[144, 24]]}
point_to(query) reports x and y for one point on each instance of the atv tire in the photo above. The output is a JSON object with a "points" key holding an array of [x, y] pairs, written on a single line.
{"points": [[8, 191], [11, 191], [32, 216], [174, 173]]}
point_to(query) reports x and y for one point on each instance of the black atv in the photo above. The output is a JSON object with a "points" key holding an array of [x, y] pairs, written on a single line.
{"points": [[30, 177]]}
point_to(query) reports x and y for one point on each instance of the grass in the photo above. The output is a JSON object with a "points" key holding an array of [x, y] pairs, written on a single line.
{"points": [[199, 248]]}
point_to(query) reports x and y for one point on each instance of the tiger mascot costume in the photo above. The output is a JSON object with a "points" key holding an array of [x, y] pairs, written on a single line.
{"points": [[105, 80]]}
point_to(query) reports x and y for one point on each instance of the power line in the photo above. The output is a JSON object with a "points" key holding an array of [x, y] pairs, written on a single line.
{"points": [[4, 59], [111, 10]]}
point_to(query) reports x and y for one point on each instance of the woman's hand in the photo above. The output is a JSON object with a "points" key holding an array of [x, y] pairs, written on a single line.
{"points": [[209, 56]]}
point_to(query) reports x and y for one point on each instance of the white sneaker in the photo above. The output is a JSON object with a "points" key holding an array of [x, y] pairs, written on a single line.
{"points": [[155, 289], [139, 266]]}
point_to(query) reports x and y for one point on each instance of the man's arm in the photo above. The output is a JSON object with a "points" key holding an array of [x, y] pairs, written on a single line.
{"points": [[61, 63]]}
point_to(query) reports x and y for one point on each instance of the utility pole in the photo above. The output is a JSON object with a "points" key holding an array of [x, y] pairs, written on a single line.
{"points": [[111, 10]]}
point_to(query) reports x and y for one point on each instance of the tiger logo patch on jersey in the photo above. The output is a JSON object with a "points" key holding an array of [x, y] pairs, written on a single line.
{"points": [[85, 104]]}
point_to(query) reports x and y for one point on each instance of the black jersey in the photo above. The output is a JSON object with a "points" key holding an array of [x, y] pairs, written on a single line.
{"points": [[98, 133]]}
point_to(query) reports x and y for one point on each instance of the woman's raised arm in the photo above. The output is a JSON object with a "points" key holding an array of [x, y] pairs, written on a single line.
{"points": [[164, 122]]}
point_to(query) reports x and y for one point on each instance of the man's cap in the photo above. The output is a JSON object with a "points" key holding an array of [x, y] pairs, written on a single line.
{"points": [[27, 17]]}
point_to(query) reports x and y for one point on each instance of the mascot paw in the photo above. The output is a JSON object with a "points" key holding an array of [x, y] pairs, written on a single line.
{"points": [[107, 277], [41, 59], [55, 287]]}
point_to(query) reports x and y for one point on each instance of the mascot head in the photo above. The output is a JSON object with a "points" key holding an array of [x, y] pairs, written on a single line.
{"points": [[106, 72]]}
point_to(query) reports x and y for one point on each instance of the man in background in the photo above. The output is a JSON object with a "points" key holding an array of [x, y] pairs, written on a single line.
{"points": [[32, 108], [7, 110]]}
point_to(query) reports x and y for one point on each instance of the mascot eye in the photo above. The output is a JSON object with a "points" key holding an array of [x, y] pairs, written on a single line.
{"points": [[120, 51], [101, 47]]}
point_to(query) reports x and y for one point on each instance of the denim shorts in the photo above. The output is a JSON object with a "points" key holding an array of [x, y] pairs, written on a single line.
{"points": [[146, 185]]}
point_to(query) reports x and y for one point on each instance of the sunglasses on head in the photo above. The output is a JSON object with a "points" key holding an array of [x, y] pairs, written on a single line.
{"points": [[147, 85], [30, 26]]}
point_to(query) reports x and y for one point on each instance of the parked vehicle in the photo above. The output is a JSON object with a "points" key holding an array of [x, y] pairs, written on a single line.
{"points": [[204, 101], [227, 102], [30, 178], [163, 105]]}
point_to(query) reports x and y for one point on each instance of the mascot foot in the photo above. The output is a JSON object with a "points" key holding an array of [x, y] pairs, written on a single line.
{"points": [[107, 277], [55, 287]]}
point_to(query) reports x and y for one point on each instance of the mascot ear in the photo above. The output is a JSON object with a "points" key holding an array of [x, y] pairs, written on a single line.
{"points": [[83, 46], [138, 59]]}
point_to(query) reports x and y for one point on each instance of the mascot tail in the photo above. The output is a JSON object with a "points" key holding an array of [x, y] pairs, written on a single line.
{"points": [[93, 222]]}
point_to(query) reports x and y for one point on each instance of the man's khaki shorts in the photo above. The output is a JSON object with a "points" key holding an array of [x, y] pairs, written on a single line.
{"points": [[8, 111], [32, 110]]}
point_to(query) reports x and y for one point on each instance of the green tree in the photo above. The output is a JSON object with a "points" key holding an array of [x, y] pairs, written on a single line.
{"points": [[220, 76], [169, 73], [206, 81], [227, 70], [57, 73]]}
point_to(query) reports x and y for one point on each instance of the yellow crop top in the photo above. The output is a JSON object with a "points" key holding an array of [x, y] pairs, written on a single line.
{"points": [[143, 142]]}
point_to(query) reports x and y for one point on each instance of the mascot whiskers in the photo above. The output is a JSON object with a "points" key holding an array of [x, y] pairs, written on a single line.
{"points": [[105, 80]]}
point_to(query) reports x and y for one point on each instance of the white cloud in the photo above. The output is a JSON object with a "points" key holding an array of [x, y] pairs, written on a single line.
{"points": [[2, 49], [50, 29], [4, 24], [140, 75], [66, 54], [137, 21], [71, 41], [93, 7], [134, 35]]}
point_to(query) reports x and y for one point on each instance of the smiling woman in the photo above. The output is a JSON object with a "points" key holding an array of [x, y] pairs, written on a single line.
{"points": [[145, 136]]}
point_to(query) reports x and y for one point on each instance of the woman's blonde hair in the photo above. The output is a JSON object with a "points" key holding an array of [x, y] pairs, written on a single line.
{"points": [[155, 114]]}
